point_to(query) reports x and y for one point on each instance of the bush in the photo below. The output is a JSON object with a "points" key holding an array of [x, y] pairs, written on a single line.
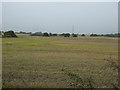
{"points": [[46, 34], [83, 35], [37, 34], [9, 34], [94, 35], [65, 34], [54, 34], [74, 35]]}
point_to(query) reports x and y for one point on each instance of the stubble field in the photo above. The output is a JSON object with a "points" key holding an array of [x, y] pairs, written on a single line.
{"points": [[59, 62]]}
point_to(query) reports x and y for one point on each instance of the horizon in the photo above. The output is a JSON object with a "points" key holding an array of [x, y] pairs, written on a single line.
{"points": [[18, 32]]}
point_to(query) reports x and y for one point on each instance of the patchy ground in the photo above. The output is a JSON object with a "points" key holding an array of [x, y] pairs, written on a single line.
{"points": [[59, 62]]}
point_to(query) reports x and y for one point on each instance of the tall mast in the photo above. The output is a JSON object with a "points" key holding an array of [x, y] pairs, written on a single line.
{"points": [[73, 28]]}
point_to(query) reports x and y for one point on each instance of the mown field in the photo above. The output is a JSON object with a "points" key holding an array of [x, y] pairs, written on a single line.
{"points": [[59, 62]]}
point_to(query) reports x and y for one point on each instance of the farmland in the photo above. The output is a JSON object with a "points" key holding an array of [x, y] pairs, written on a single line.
{"points": [[59, 62]]}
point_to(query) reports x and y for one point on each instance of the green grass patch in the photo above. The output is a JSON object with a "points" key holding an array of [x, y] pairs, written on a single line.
{"points": [[38, 61]]}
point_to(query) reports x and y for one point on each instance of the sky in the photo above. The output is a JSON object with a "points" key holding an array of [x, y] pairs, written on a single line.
{"points": [[60, 0], [60, 17], [0, 16]]}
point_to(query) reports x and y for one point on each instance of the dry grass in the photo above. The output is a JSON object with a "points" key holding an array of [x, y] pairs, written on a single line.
{"points": [[30, 61]]}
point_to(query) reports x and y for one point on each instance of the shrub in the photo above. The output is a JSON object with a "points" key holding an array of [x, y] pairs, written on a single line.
{"points": [[9, 34], [94, 35], [37, 34], [83, 35], [66, 34], [74, 35], [46, 34]]}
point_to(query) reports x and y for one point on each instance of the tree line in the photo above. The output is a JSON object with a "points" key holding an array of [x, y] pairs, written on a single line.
{"points": [[53, 34], [73, 34], [11, 33]]}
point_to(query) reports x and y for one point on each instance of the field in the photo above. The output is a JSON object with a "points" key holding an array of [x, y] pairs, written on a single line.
{"points": [[59, 62]]}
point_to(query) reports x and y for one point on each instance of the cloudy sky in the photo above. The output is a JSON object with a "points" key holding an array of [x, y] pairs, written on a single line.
{"points": [[59, 17]]}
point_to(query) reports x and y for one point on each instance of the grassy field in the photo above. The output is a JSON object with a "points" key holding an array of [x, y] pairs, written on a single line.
{"points": [[59, 62]]}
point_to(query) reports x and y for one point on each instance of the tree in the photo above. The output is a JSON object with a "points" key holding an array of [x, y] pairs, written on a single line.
{"points": [[74, 35], [94, 35], [9, 34], [36, 34], [46, 34], [22, 32], [55, 34], [83, 35], [50, 34], [66, 34]]}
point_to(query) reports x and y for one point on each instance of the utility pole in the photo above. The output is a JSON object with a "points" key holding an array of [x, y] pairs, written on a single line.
{"points": [[73, 29]]}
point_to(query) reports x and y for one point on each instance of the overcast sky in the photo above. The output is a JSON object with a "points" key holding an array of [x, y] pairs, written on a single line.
{"points": [[87, 17]]}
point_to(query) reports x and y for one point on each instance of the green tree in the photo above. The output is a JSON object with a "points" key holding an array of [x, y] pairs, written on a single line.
{"points": [[74, 35], [46, 34], [66, 35], [9, 34], [36, 34], [83, 35]]}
